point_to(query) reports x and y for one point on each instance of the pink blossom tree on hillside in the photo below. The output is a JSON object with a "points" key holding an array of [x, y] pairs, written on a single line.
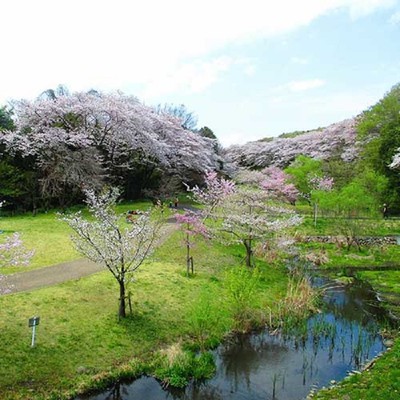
{"points": [[272, 179], [339, 138], [276, 184], [247, 176]]}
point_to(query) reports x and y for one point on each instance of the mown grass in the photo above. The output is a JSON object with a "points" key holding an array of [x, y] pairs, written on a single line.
{"points": [[81, 343], [49, 236]]}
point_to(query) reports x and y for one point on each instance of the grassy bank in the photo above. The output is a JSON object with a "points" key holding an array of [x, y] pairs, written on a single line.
{"points": [[80, 342], [382, 379]]}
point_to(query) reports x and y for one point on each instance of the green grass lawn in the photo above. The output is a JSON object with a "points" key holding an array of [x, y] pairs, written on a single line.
{"points": [[81, 343], [48, 236], [80, 337]]}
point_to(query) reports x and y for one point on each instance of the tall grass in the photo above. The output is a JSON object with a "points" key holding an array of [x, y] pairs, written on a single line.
{"points": [[294, 309]]}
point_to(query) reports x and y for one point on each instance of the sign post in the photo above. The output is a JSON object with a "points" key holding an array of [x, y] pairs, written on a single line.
{"points": [[33, 322]]}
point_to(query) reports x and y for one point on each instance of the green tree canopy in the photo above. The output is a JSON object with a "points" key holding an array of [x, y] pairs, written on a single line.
{"points": [[379, 127]]}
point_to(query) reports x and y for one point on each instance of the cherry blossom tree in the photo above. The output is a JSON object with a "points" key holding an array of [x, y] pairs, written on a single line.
{"points": [[247, 176], [96, 138], [214, 191], [248, 216], [192, 226], [272, 179], [276, 183], [241, 215], [13, 254], [339, 138], [122, 250], [188, 119]]}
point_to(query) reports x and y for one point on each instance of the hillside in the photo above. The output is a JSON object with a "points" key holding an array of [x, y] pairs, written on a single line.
{"points": [[338, 139]]}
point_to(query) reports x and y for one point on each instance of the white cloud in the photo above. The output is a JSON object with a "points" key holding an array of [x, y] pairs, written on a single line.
{"points": [[248, 65], [194, 77], [299, 60], [360, 8], [238, 137], [395, 18], [110, 45], [300, 86], [309, 111]]}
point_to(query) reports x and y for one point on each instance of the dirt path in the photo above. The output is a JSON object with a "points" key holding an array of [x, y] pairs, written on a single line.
{"points": [[53, 275]]}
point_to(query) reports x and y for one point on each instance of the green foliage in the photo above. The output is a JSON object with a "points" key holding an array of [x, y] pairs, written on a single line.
{"points": [[207, 319], [207, 132], [240, 287], [301, 169], [359, 198], [18, 185], [353, 200], [6, 121], [175, 366], [379, 127], [341, 171]]}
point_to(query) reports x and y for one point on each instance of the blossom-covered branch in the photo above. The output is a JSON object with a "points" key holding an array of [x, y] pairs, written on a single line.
{"points": [[215, 190], [13, 254]]}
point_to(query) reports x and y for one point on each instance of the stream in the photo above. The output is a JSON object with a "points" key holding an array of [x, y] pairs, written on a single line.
{"points": [[340, 339]]}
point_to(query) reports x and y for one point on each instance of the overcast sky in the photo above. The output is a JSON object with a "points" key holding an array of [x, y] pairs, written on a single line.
{"points": [[248, 69]]}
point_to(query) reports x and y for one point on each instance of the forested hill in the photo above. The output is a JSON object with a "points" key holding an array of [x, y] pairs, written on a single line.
{"points": [[336, 140]]}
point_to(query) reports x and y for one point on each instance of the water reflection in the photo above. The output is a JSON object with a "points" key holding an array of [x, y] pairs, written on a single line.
{"points": [[284, 366]]}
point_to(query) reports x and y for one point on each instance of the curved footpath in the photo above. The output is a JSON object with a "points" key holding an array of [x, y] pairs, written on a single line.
{"points": [[55, 274]]}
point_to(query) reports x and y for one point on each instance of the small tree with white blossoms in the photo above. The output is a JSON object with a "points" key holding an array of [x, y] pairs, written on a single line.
{"points": [[13, 254], [242, 215], [104, 241], [248, 216]]}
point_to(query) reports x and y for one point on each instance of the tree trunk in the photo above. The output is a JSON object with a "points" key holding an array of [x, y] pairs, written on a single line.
{"points": [[249, 252], [315, 213], [189, 261], [121, 311]]}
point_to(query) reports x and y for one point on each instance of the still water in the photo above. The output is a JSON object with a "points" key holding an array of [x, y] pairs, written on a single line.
{"points": [[340, 339]]}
